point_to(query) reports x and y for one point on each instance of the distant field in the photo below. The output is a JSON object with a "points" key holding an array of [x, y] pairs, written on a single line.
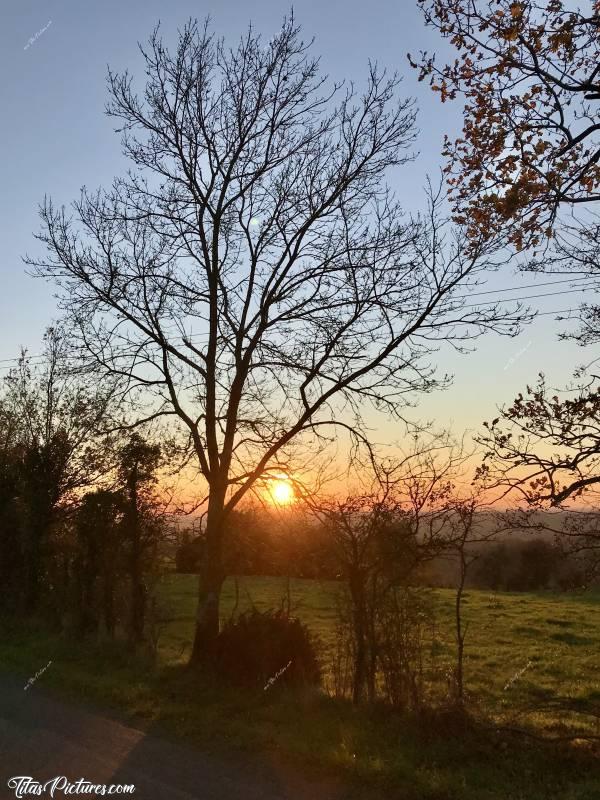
{"points": [[557, 635]]}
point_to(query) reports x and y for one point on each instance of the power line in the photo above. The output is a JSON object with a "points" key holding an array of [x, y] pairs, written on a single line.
{"points": [[40, 357], [531, 286], [197, 337], [519, 299], [454, 297], [551, 313]]}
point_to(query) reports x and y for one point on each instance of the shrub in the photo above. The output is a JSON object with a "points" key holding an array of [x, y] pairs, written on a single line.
{"points": [[267, 649], [343, 657], [406, 622], [398, 640]]}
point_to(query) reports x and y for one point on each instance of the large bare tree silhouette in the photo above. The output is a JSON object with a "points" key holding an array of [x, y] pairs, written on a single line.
{"points": [[253, 275]]}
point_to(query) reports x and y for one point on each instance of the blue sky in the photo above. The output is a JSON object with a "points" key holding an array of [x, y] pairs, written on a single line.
{"points": [[55, 139]]}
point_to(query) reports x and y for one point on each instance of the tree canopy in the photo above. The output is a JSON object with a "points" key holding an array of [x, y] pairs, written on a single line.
{"points": [[529, 73]]}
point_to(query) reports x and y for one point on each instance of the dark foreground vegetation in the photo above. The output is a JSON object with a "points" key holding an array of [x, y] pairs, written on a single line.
{"points": [[365, 670], [429, 754]]}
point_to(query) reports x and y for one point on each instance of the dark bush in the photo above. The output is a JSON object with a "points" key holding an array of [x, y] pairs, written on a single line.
{"points": [[267, 649], [189, 554]]}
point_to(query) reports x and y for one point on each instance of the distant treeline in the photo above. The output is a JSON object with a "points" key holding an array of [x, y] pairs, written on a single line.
{"points": [[265, 543], [519, 565], [296, 546]]}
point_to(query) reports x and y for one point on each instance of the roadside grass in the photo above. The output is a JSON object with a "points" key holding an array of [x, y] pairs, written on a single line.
{"points": [[437, 756]]}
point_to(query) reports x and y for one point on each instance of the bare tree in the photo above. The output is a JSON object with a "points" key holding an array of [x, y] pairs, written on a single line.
{"points": [[465, 514], [385, 534], [473, 525], [253, 276], [358, 525]]}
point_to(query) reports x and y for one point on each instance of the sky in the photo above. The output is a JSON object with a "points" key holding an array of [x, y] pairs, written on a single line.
{"points": [[55, 139]]}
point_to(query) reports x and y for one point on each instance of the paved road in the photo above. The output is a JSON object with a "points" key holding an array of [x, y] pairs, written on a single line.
{"points": [[43, 737]]}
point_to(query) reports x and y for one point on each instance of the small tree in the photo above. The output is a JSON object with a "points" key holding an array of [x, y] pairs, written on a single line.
{"points": [[382, 538], [138, 464], [472, 527], [55, 421], [464, 514], [99, 561], [359, 525]]}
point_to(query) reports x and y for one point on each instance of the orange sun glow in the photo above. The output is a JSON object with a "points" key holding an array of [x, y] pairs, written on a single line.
{"points": [[281, 491]]}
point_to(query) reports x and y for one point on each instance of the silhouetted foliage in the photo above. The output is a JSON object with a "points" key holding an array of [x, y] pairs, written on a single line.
{"points": [[259, 542], [526, 566], [261, 649], [99, 560], [529, 75], [137, 466], [54, 449], [545, 447]]}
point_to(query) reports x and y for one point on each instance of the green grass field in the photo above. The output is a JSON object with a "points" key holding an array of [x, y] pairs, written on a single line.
{"points": [[412, 758], [544, 648]]}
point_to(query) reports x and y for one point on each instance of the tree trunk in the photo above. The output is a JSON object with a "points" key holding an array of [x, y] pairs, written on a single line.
{"points": [[372, 641], [138, 590], [212, 575], [138, 608], [87, 572], [460, 632], [32, 560], [32, 583], [360, 664], [357, 593], [109, 607]]}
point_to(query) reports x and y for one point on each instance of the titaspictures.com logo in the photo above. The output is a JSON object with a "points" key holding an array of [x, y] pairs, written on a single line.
{"points": [[26, 786]]}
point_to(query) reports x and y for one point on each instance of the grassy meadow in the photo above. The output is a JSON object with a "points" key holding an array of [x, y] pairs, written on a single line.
{"points": [[526, 655], [523, 651]]}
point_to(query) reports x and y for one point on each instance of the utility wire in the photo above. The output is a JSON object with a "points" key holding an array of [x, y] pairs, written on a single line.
{"points": [[530, 286], [199, 336], [7, 363]]}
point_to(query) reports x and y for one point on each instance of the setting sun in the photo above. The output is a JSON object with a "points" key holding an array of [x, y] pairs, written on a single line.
{"points": [[281, 491]]}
